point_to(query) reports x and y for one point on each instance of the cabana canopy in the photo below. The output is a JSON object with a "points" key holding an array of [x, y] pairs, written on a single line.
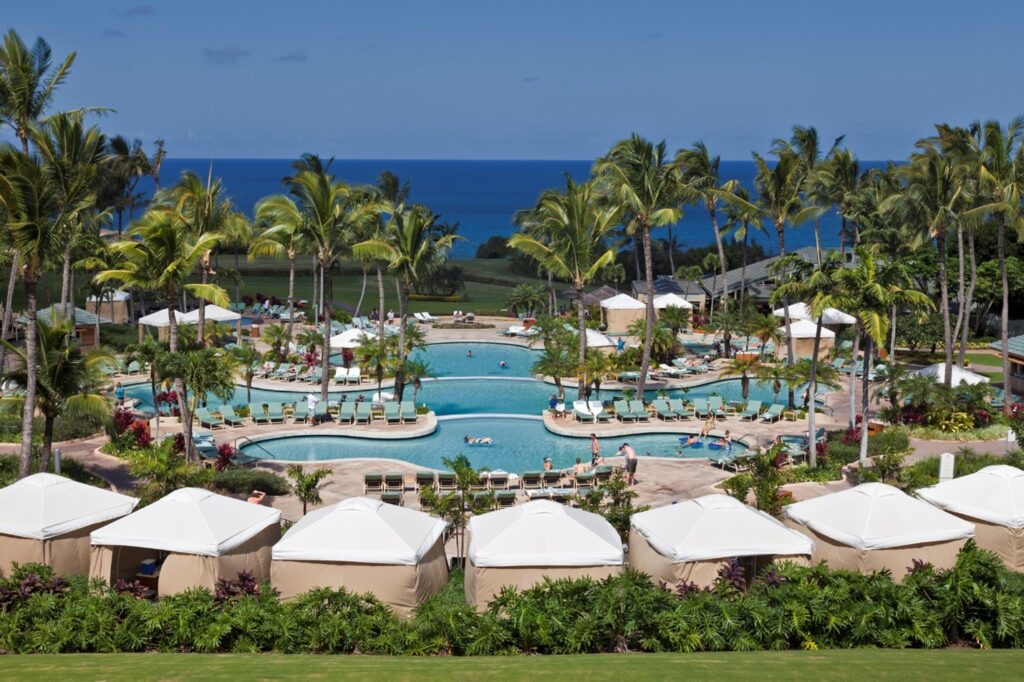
{"points": [[43, 506], [361, 530], [877, 516], [189, 521], [543, 533], [622, 302], [351, 338], [800, 311], [161, 318], [715, 527], [805, 329], [115, 296], [214, 313], [994, 494], [667, 300], [596, 339], [960, 375]]}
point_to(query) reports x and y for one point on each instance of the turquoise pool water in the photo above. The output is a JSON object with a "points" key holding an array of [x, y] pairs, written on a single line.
{"points": [[451, 359], [519, 445]]}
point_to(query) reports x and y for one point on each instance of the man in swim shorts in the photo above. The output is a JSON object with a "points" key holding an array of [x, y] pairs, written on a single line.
{"points": [[630, 454]]}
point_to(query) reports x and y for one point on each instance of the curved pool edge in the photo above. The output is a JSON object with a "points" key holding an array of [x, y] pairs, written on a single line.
{"points": [[407, 432]]}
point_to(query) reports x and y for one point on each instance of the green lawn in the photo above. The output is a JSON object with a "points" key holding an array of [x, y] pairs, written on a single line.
{"points": [[951, 664]]}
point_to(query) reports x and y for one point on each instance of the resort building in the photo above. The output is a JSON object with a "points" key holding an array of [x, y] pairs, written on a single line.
{"points": [[693, 292], [1015, 345], [86, 332], [759, 277]]}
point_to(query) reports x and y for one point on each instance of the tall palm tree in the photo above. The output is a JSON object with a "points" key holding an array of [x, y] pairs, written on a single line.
{"points": [[739, 222], [148, 353], [246, 358], [409, 246], [869, 290], [700, 173], [282, 236], [579, 222], [202, 208], [68, 384], [392, 194], [646, 185], [742, 367], [160, 257]]}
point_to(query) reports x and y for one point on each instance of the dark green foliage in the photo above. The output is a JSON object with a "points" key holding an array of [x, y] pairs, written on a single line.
{"points": [[64, 428], [977, 603], [495, 247], [70, 468], [242, 481], [926, 472]]}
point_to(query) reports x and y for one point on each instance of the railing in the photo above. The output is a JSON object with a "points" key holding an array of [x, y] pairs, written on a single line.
{"points": [[238, 440]]}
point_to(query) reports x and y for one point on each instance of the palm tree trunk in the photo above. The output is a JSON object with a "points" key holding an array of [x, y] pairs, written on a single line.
{"points": [[864, 398], [853, 375], [65, 280], [743, 271], [238, 277], [179, 384], [969, 301], [892, 335], [44, 454], [726, 336], [325, 274], [403, 312], [636, 258], [315, 308], [12, 281], [362, 292], [1004, 318], [380, 310], [812, 388], [291, 293], [551, 294], [817, 240], [671, 252], [29, 410], [201, 322], [790, 353], [961, 284], [947, 331], [582, 330], [645, 362]]}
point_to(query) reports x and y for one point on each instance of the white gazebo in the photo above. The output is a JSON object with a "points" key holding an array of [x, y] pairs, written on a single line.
{"points": [[596, 339], [620, 311], [668, 300], [214, 313], [803, 331], [352, 338], [115, 305], [830, 316], [160, 320], [960, 375]]}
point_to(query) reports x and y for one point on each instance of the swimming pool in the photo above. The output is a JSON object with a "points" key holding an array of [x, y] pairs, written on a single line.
{"points": [[519, 445], [451, 359]]}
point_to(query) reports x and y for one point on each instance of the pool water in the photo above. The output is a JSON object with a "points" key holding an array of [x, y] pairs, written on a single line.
{"points": [[451, 359], [519, 445]]}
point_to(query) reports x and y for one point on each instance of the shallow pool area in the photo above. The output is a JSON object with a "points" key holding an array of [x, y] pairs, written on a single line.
{"points": [[518, 445], [469, 359]]}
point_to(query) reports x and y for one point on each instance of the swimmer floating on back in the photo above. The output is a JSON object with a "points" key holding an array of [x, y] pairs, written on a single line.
{"points": [[474, 440]]}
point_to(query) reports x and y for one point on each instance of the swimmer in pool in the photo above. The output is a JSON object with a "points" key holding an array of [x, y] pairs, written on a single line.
{"points": [[503, 364], [469, 353], [474, 440]]}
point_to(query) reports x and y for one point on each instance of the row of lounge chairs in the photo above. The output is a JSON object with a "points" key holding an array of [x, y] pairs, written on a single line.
{"points": [[351, 375], [674, 409], [519, 331], [424, 318], [349, 412]]}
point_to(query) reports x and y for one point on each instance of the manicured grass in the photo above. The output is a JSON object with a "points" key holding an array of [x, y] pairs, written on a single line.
{"points": [[951, 664]]}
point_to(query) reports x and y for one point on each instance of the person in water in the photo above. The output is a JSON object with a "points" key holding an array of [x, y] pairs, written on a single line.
{"points": [[725, 442], [547, 464], [477, 440], [469, 353], [503, 364], [692, 440]]}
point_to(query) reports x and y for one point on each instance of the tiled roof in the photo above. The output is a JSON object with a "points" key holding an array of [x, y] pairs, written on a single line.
{"points": [[1014, 343], [669, 285], [82, 317], [757, 273]]}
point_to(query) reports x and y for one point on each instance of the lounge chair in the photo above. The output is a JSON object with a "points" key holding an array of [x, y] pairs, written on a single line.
{"points": [[773, 413], [340, 374], [354, 376], [498, 481], [445, 481], [839, 364], [581, 411], [258, 413], [623, 412], [133, 368], [425, 479], [409, 415], [392, 413], [275, 413], [738, 462], [561, 496], [301, 413], [700, 408], [397, 499], [716, 405], [638, 410], [394, 482], [551, 479], [321, 413], [752, 410], [673, 372], [629, 377], [584, 479], [679, 407], [346, 412], [597, 409], [207, 419], [229, 416], [531, 480], [364, 413], [603, 473], [373, 482], [427, 317], [282, 369], [505, 498], [663, 411], [313, 376]]}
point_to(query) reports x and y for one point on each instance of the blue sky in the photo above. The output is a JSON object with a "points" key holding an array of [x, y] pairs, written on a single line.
{"points": [[529, 80]]}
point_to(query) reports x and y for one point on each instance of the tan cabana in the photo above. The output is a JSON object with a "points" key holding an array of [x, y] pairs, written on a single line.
{"points": [[521, 546], [876, 527], [364, 545], [196, 537], [993, 500], [113, 306], [46, 519], [620, 311], [690, 541], [803, 332]]}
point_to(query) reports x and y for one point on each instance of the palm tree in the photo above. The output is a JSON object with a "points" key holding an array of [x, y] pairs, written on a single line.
{"points": [[306, 487], [528, 298], [742, 367], [159, 257], [530, 223], [277, 337], [282, 237], [556, 361], [663, 341], [641, 180], [766, 329], [676, 317], [392, 195], [148, 353], [68, 381], [773, 374], [202, 209], [246, 359], [597, 366], [739, 221], [409, 246], [579, 222], [415, 372]]}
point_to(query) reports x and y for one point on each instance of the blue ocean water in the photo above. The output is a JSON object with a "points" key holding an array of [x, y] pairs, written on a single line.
{"points": [[482, 196]]}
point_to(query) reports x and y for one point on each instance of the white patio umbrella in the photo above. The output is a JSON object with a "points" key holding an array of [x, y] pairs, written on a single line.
{"points": [[162, 318], [667, 300], [352, 338], [800, 311], [960, 375]]}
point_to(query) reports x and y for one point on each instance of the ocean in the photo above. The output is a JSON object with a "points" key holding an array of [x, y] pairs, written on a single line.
{"points": [[481, 196]]}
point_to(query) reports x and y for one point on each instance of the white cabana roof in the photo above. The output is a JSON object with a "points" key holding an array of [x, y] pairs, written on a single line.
{"points": [[994, 494], [214, 313], [351, 338], [716, 527], [960, 375], [115, 295], [189, 521], [162, 318], [43, 506], [622, 302], [543, 533], [800, 311], [361, 530], [596, 339], [805, 329], [878, 516], [666, 300]]}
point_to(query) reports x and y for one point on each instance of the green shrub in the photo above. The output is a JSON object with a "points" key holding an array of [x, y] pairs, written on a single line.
{"points": [[242, 481], [64, 429], [69, 467], [738, 486]]}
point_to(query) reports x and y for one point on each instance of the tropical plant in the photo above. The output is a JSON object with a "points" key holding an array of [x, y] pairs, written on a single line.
{"points": [[774, 375], [306, 486], [246, 360], [164, 471], [203, 372], [282, 224], [675, 317], [457, 506], [614, 501], [557, 361], [597, 366], [277, 337], [743, 367], [663, 342], [526, 299]]}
